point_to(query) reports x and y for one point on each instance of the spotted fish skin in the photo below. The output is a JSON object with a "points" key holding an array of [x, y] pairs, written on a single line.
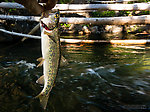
{"points": [[50, 53]]}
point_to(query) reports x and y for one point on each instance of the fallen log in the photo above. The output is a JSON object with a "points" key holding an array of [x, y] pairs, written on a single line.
{"points": [[11, 5], [130, 20], [20, 18], [32, 31], [20, 34], [127, 0], [128, 42], [75, 41], [19, 6], [76, 11], [119, 42], [115, 7], [117, 1]]}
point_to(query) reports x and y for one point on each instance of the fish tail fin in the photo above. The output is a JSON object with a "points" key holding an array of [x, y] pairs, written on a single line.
{"points": [[43, 99]]}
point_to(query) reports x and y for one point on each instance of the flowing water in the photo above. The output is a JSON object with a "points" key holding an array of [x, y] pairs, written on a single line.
{"points": [[98, 78]]}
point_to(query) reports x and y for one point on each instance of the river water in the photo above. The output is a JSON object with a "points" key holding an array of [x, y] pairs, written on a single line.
{"points": [[98, 78]]}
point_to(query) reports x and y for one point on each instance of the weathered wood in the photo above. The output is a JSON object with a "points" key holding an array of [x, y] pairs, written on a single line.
{"points": [[127, 0], [130, 20], [126, 7], [106, 2], [19, 6], [75, 41], [109, 20], [76, 11], [119, 42], [20, 18], [11, 5], [20, 34], [117, 1], [125, 42], [32, 31]]}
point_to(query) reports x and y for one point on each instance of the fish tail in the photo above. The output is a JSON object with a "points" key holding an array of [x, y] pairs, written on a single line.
{"points": [[43, 99]]}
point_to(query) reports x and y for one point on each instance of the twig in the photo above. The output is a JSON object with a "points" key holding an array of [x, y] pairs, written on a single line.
{"points": [[32, 31], [20, 34]]}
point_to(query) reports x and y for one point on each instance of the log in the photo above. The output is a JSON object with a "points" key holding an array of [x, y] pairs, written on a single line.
{"points": [[20, 34], [75, 41], [115, 7], [127, 0], [102, 2], [145, 19], [124, 42], [119, 42], [130, 20], [76, 11], [117, 1], [11, 5], [32, 31], [20, 18], [62, 40]]}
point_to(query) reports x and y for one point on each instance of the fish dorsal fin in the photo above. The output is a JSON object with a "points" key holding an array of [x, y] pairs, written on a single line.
{"points": [[40, 80]]}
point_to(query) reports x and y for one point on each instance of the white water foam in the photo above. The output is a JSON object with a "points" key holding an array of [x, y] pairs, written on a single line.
{"points": [[91, 71], [29, 65]]}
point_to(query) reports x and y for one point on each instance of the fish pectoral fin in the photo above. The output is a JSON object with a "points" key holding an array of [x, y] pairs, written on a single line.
{"points": [[41, 60], [40, 80], [43, 99]]}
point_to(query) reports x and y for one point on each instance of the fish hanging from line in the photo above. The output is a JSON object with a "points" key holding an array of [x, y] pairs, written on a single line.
{"points": [[51, 55]]}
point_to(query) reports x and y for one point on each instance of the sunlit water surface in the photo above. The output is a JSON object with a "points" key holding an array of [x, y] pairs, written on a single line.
{"points": [[98, 78]]}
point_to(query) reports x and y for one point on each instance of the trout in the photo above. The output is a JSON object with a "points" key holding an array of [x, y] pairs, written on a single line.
{"points": [[50, 43]]}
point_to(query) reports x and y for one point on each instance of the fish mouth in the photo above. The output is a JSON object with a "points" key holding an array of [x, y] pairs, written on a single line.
{"points": [[47, 28], [48, 31]]}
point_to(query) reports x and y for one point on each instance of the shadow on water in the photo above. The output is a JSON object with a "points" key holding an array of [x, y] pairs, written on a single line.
{"points": [[98, 78]]}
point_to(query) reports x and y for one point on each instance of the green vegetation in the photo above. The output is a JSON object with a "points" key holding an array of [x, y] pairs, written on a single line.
{"points": [[64, 1], [103, 14], [140, 1], [9, 1], [120, 13]]}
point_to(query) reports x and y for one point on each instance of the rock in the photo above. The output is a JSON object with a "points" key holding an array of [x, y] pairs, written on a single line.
{"points": [[113, 29], [94, 29], [86, 29], [81, 32]]}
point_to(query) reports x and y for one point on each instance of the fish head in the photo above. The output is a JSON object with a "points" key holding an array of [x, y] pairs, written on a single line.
{"points": [[50, 22]]}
